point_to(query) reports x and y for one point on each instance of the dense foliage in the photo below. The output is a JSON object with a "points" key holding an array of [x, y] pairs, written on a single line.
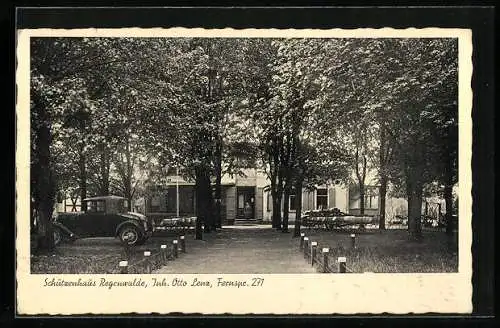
{"points": [[112, 115]]}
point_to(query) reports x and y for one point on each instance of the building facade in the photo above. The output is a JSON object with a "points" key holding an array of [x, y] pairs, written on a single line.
{"points": [[246, 199], [242, 197]]}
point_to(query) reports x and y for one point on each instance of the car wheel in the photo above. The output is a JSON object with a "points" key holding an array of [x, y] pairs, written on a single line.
{"points": [[129, 235], [58, 236]]}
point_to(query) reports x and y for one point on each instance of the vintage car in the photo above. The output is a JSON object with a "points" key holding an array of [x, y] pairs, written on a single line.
{"points": [[105, 216]]}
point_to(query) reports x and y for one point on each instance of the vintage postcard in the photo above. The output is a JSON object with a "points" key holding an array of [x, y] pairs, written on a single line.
{"points": [[252, 171]]}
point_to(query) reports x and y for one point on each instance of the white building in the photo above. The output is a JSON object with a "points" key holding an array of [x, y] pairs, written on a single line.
{"points": [[248, 199]]}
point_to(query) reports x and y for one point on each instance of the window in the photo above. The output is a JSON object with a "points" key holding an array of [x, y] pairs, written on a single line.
{"points": [[91, 206], [321, 198], [371, 198], [186, 201], [96, 206], [100, 206]]}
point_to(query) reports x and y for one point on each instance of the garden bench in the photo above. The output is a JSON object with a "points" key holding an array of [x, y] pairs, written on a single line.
{"points": [[331, 219]]}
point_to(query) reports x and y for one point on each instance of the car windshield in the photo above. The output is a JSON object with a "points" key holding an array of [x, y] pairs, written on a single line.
{"points": [[124, 206], [117, 206]]}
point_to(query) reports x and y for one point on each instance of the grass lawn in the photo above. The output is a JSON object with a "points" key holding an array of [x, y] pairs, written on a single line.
{"points": [[99, 256], [389, 251]]}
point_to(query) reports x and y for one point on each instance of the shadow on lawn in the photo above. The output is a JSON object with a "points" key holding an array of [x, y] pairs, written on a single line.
{"points": [[387, 251], [391, 251], [94, 256]]}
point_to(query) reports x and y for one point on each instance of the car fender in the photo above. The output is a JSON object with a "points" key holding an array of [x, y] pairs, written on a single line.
{"points": [[129, 222], [64, 228]]}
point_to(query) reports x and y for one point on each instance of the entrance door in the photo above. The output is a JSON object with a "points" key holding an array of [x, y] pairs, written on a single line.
{"points": [[245, 203]]}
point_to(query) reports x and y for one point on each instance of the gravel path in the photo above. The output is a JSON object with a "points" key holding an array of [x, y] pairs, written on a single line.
{"points": [[244, 249]]}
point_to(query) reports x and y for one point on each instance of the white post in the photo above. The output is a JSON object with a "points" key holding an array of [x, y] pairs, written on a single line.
{"points": [[123, 266], [177, 190], [175, 248], [314, 245], [325, 252], [163, 249], [147, 255], [342, 264]]}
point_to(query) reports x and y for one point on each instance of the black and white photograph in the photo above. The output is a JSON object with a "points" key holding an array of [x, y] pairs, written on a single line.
{"points": [[220, 161]]}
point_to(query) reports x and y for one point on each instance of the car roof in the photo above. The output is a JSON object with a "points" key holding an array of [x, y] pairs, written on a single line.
{"points": [[104, 197]]}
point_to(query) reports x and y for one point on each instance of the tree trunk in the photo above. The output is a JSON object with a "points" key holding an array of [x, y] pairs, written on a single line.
{"points": [[279, 199], [361, 176], [34, 199], [46, 207], [276, 210], [45, 232], [33, 215], [290, 164], [361, 198], [83, 179], [207, 224], [218, 185], [45, 188], [218, 207], [211, 207], [272, 190], [384, 155], [203, 199], [276, 192], [382, 197], [128, 180], [104, 168], [200, 204], [448, 190], [448, 198], [415, 210], [298, 207], [276, 199], [286, 207]]}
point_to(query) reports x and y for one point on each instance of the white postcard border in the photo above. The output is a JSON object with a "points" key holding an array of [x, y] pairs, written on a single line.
{"points": [[281, 293]]}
